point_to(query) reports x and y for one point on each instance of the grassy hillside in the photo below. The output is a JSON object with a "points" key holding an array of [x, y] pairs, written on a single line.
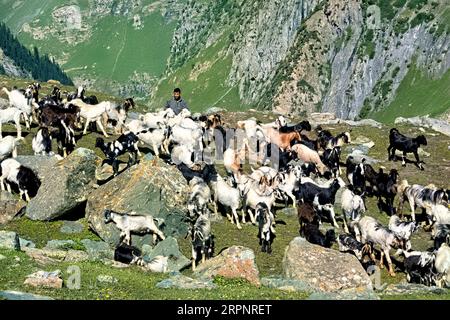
{"points": [[111, 55], [417, 95]]}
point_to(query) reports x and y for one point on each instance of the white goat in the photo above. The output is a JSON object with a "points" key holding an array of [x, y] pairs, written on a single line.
{"points": [[93, 113], [352, 207], [128, 223], [440, 214], [227, 196], [154, 138], [12, 114], [19, 101], [8, 145], [187, 137], [182, 154], [442, 263]]}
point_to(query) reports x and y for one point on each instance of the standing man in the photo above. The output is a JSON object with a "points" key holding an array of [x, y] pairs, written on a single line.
{"points": [[177, 103]]}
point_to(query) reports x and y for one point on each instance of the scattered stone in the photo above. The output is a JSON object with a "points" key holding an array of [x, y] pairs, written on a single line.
{"points": [[151, 187], [412, 289], [322, 117], [9, 240], [167, 248], [26, 244], [45, 279], [364, 122], [59, 244], [324, 269], [10, 207], [233, 262], [17, 295], [64, 186], [179, 281], [214, 110], [106, 279], [70, 227], [98, 250], [50, 256], [358, 155]]}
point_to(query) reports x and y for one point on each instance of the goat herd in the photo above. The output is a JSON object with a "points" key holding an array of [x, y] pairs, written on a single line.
{"points": [[291, 166]]}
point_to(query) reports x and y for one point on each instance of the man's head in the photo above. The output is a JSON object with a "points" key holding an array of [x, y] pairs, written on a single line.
{"points": [[177, 94]]}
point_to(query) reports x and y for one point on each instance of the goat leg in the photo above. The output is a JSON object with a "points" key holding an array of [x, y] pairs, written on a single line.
{"points": [[252, 217], [419, 163], [99, 123], [389, 261], [381, 260], [238, 225], [403, 159]]}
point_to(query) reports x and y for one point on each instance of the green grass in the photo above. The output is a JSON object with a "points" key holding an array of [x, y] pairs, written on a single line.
{"points": [[417, 95], [113, 53]]}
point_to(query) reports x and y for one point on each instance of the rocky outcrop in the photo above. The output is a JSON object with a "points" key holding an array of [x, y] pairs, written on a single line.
{"points": [[64, 186], [167, 248], [151, 188], [324, 269], [438, 125], [234, 262]]}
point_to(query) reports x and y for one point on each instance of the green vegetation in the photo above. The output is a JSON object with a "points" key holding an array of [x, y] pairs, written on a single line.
{"points": [[416, 4], [417, 95], [42, 68], [420, 18]]}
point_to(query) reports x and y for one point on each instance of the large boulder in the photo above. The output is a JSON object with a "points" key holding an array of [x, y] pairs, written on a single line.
{"points": [[10, 206], [17, 295], [151, 187], [438, 125], [64, 186], [45, 279], [325, 269], [234, 262]]}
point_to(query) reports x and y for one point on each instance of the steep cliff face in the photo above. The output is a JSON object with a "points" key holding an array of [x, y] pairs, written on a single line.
{"points": [[350, 66]]}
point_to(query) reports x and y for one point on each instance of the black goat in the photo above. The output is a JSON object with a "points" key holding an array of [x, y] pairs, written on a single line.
{"points": [[313, 235], [299, 127], [398, 141], [265, 220], [441, 234], [331, 158], [125, 253], [355, 175], [112, 150], [207, 173]]}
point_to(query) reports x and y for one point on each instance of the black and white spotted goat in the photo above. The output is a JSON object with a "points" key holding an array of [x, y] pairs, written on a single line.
{"points": [[131, 255], [403, 230], [12, 172], [420, 197], [265, 221], [127, 142], [398, 141], [42, 142], [133, 223], [202, 240]]}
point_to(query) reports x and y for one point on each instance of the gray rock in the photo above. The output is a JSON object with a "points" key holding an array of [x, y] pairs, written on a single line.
{"points": [[213, 110], [9, 240], [179, 281], [70, 227], [17, 295], [324, 269], [98, 250], [106, 279], [364, 122], [358, 155], [151, 187], [59, 244], [39, 164], [64, 186], [52, 256], [26, 244], [412, 289], [278, 282], [10, 207], [437, 125], [167, 248]]}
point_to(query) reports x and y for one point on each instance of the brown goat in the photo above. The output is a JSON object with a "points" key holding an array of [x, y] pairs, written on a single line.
{"points": [[306, 214], [282, 140]]}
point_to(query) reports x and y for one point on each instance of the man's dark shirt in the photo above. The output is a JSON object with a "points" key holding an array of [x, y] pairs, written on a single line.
{"points": [[177, 106]]}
